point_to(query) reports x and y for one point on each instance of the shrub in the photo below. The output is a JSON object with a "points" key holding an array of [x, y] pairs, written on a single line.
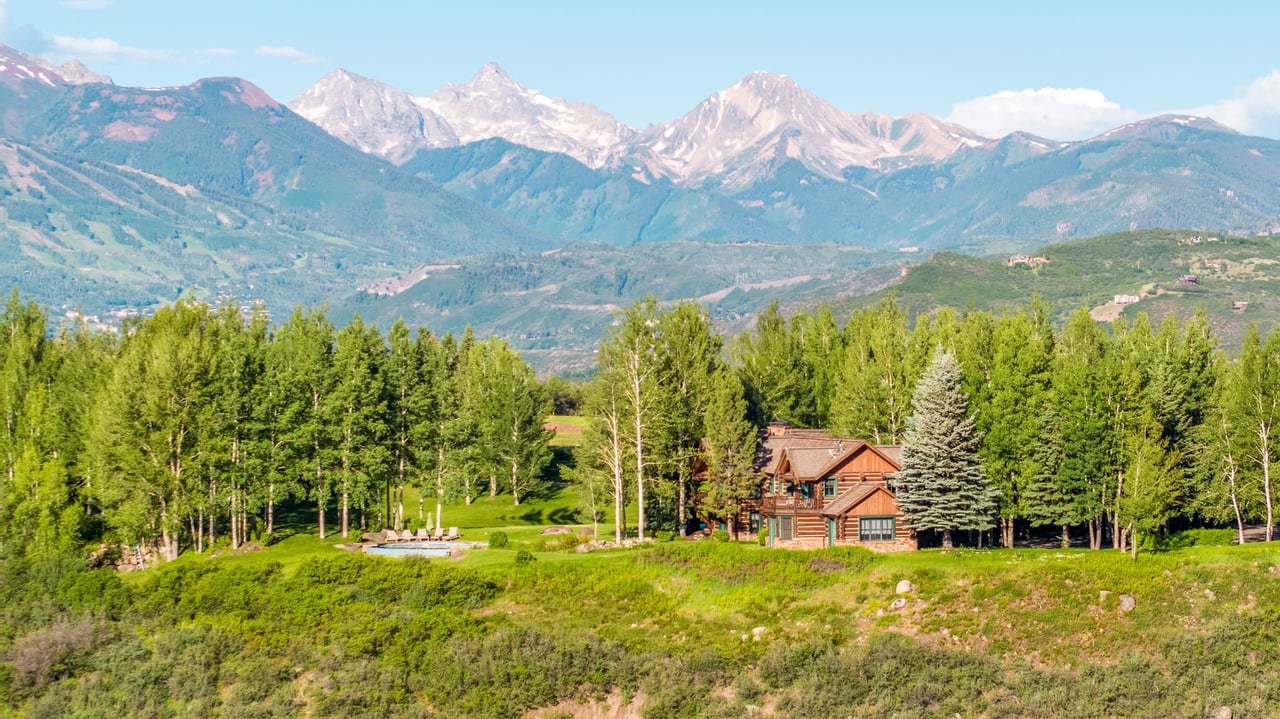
{"points": [[523, 557], [762, 537], [719, 536], [1201, 538], [498, 540]]}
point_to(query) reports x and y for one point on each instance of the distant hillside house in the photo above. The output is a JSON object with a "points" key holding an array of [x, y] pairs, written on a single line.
{"points": [[1027, 260], [1126, 299], [822, 491], [1188, 280]]}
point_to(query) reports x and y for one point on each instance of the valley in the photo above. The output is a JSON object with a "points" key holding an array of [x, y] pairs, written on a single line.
{"points": [[117, 200]]}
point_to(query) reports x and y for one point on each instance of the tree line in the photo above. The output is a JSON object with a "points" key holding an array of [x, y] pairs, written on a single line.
{"points": [[1119, 431], [199, 422]]}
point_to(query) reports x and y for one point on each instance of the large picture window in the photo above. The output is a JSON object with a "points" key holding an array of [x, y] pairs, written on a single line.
{"points": [[875, 529]]}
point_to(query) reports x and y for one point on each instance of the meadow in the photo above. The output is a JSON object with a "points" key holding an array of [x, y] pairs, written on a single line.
{"points": [[675, 629]]}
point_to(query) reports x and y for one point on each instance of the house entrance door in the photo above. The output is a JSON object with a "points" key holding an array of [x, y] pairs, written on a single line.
{"points": [[831, 532]]}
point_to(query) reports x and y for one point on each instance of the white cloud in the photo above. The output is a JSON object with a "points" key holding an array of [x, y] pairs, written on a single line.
{"points": [[88, 4], [1080, 113], [1055, 113], [104, 49], [288, 52], [1255, 108]]}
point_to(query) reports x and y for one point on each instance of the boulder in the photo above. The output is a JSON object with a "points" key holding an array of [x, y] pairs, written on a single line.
{"points": [[1222, 713], [905, 586], [557, 530], [898, 604], [1128, 603]]}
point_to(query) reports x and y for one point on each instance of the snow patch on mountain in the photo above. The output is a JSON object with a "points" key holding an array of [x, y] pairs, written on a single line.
{"points": [[736, 136], [373, 116], [739, 133], [492, 104]]}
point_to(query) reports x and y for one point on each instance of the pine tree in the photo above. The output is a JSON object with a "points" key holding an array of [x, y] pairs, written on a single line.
{"points": [[728, 451], [942, 485], [882, 359], [355, 411], [1018, 387], [771, 367]]}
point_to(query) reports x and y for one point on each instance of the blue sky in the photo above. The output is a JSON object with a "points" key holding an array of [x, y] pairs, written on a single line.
{"points": [[1065, 70]]}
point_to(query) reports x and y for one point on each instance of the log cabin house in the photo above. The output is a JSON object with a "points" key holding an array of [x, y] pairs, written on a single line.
{"points": [[822, 491]]}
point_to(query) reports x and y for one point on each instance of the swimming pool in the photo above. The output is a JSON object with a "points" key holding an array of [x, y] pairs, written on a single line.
{"points": [[415, 549]]}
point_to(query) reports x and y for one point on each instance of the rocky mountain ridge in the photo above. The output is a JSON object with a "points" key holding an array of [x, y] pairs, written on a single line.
{"points": [[731, 138]]}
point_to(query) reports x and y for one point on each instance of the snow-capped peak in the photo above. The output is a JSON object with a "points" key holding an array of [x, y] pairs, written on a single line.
{"points": [[372, 116], [763, 119], [492, 74], [19, 66], [492, 104]]}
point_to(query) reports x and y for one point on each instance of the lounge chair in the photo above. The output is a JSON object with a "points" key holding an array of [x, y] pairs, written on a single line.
{"points": [[439, 535], [422, 534], [452, 535]]}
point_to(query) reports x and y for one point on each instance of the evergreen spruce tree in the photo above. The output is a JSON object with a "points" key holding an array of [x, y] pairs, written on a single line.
{"points": [[942, 485], [728, 451]]}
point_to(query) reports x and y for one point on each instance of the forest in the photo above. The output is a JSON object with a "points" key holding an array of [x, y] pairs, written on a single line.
{"points": [[198, 423], [194, 429]]}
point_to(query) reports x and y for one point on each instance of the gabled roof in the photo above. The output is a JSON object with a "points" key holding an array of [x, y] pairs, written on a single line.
{"points": [[892, 451], [807, 464], [772, 447], [852, 498]]}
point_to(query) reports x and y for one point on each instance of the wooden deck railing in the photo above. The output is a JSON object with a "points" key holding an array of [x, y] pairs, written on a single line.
{"points": [[786, 501]]}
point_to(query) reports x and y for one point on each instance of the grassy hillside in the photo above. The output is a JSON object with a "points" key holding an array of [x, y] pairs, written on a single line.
{"points": [[677, 630], [1091, 272]]}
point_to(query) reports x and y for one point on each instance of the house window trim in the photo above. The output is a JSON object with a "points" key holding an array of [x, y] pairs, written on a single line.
{"points": [[893, 528], [831, 482]]}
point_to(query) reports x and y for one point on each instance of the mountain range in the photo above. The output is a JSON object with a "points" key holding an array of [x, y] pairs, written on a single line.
{"points": [[767, 160], [117, 197]]}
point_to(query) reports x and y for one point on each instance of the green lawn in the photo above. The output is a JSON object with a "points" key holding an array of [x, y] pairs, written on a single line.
{"points": [[570, 429]]}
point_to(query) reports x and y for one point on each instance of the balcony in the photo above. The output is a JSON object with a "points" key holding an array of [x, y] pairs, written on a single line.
{"points": [[773, 503]]}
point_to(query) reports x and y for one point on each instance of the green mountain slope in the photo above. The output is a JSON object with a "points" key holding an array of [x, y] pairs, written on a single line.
{"points": [[1092, 272], [1022, 191], [558, 195], [138, 194], [556, 306]]}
